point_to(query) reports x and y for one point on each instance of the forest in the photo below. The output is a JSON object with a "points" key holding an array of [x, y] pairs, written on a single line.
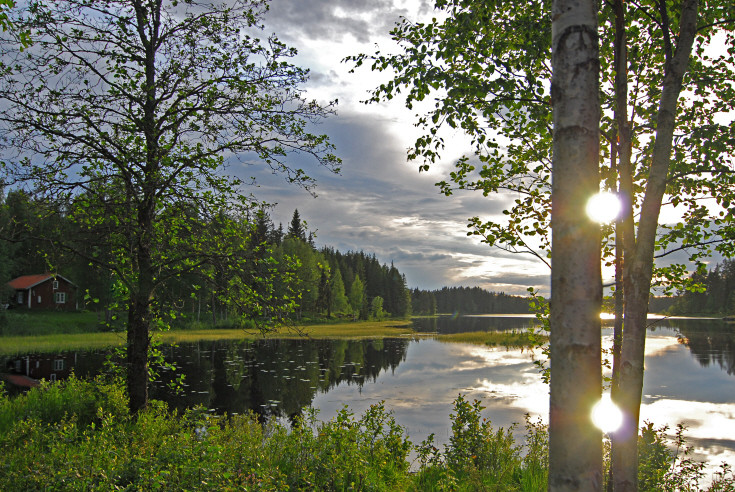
{"points": [[317, 282], [323, 282]]}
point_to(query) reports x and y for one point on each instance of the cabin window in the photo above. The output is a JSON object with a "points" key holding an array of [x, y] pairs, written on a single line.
{"points": [[52, 377], [59, 365], [60, 297], [39, 299], [55, 284], [20, 297]]}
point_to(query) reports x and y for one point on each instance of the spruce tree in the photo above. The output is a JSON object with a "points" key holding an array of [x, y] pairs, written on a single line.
{"points": [[296, 227]]}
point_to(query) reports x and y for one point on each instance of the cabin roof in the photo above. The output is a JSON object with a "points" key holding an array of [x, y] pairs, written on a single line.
{"points": [[28, 281]]}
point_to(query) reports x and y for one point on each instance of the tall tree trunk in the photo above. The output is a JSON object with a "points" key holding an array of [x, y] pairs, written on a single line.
{"points": [[137, 353], [638, 267], [575, 445], [139, 321]]}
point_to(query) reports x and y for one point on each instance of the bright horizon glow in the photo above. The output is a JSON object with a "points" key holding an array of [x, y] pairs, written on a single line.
{"points": [[606, 415], [603, 207]]}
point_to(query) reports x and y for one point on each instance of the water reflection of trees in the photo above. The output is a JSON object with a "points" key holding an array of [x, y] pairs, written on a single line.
{"points": [[711, 342], [272, 377]]}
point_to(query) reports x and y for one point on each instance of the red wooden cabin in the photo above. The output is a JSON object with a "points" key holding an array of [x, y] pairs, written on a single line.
{"points": [[44, 291]]}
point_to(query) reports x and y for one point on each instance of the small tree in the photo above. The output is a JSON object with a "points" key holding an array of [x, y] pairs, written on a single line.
{"points": [[376, 309], [339, 302], [357, 296], [130, 111]]}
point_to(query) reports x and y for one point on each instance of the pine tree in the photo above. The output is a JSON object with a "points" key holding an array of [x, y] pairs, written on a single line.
{"points": [[276, 235], [262, 228], [296, 227]]}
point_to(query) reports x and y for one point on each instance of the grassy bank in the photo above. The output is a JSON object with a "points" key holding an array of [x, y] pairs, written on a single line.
{"points": [[19, 322], [24, 332], [102, 340], [78, 435], [509, 339]]}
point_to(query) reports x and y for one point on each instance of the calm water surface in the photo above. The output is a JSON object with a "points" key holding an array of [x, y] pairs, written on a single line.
{"points": [[690, 378]]}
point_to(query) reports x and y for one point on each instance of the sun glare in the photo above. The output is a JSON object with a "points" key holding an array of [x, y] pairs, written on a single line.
{"points": [[603, 207], [606, 415]]}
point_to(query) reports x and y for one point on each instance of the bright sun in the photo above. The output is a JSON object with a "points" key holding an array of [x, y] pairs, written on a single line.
{"points": [[603, 207], [606, 415]]}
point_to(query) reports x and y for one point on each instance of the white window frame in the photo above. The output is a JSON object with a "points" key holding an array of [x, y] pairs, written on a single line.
{"points": [[60, 297], [58, 364], [19, 297], [55, 285]]}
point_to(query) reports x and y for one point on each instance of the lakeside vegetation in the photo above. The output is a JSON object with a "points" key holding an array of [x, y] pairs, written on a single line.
{"points": [[59, 342], [509, 339], [79, 435], [51, 342]]}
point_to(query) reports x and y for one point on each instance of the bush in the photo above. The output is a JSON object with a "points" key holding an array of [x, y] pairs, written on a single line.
{"points": [[75, 399], [77, 435], [478, 457]]}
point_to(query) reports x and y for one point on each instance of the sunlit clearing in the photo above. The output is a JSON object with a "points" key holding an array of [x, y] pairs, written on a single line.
{"points": [[606, 415], [603, 207]]}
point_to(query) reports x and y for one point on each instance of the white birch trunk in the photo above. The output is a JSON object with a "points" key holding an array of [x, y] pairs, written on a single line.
{"points": [[575, 448]]}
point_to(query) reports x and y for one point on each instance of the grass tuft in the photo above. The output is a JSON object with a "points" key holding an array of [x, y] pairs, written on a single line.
{"points": [[510, 339]]}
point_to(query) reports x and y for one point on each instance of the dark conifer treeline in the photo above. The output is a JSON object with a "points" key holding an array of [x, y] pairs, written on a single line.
{"points": [[466, 300], [716, 296], [475, 300], [321, 283]]}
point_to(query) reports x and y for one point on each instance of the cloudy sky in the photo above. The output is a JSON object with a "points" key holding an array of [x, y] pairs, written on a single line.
{"points": [[380, 203]]}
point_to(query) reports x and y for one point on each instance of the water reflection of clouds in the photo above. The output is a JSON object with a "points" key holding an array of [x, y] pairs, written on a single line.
{"points": [[421, 390], [710, 427], [677, 389]]}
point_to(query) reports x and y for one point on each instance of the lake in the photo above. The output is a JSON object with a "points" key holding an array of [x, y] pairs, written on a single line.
{"points": [[690, 377]]}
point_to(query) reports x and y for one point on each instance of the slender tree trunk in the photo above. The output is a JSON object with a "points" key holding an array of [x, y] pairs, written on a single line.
{"points": [[575, 445], [619, 312], [624, 226], [638, 267]]}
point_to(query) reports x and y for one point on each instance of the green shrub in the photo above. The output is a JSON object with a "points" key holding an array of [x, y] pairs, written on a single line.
{"points": [[664, 464], [77, 435], [479, 457], [344, 453], [53, 402]]}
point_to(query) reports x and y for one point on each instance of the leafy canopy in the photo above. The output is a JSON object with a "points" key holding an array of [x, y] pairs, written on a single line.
{"points": [[487, 66]]}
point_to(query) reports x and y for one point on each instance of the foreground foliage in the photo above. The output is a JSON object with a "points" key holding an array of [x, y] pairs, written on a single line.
{"points": [[79, 435]]}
